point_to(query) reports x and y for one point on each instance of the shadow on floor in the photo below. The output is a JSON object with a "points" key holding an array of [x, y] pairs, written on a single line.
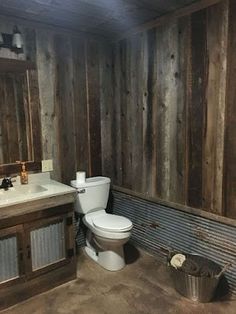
{"points": [[131, 253]]}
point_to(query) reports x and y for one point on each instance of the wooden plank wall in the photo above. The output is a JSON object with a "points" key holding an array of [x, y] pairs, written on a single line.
{"points": [[173, 122], [69, 87], [70, 79], [13, 124]]}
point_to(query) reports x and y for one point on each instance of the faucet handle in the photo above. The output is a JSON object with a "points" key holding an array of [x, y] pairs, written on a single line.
{"points": [[22, 163]]}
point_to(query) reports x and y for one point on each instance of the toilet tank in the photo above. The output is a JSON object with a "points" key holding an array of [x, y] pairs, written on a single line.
{"points": [[92, 195]]}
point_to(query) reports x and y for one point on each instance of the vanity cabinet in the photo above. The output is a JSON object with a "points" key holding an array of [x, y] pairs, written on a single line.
{"points": [[37, 253]]}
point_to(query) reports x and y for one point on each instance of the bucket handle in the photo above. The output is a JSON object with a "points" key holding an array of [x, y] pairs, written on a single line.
{"points": [[227, 265]]}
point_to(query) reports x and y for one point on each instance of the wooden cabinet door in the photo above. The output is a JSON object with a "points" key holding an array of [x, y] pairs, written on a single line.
{"points": [[49, 243], [11, 255]]}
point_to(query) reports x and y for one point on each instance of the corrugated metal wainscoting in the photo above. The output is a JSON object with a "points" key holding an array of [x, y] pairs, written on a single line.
{"points": [[80, 231], [157, 227], [8, 258]]}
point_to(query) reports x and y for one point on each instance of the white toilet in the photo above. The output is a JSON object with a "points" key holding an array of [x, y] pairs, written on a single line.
{"points": [[106, 233]]}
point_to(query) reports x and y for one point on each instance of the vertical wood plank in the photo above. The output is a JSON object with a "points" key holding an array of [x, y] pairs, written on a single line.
{"points": [[4, 130], [80, 106], [34, 104], [136, 110], [230, 139], [116, 119], [33, 97], [164, 60], [146, 95], [182, 81], [196, 108], [217, 40], [11, 120], [94, 107], [65, 102], [49, 108], [22, 111], [167, 80], [150, 140], [107, 106], [125, 114]]}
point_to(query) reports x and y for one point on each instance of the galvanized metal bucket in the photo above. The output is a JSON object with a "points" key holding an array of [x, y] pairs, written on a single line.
{"points": [[198, 289]]}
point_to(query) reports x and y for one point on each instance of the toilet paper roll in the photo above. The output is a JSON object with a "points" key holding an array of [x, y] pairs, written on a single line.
{"points": [[80, 176]]}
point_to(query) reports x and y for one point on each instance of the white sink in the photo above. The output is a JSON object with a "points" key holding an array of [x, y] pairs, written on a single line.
{"points": [[30, 189], [23, 189], [20, 192], [40, 186]]}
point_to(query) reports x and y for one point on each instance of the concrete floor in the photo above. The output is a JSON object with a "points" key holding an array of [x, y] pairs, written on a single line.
{"points": [[143, 287]]}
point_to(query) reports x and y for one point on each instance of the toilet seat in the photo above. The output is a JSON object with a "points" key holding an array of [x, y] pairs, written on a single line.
{"points": [[89, 219], [112, 223]]}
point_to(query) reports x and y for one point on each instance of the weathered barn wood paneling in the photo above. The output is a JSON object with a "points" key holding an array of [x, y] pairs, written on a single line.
{"points": [[70, 72], [214, 120], [71, 106], [15, 144], [230, 123], [196, 108], [171, 95], [110, 18]]}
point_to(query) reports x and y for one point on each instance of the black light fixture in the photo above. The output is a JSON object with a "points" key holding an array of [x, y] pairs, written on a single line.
{"points": [[14, 41]]}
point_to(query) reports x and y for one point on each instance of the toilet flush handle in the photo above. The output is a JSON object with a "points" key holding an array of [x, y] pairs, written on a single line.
{"points": [[81, 191]]}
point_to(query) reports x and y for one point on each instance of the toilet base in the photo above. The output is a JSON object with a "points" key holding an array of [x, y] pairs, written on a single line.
{"points": [[106, 252], [109, 260]]}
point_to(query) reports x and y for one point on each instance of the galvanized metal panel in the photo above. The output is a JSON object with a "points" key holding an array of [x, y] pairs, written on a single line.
{"points": [[8, 259], [47, 245], [80, 231], [157, 227]]}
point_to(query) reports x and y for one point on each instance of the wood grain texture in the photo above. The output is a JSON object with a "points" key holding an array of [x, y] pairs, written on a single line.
{"points": [[230, 124], [13, 66], [149, 113], [46, 65], [197, 108], [65, 102], [184, 81], [21, 223], [93, 94], [14, 107], [213, 150], [116, 118], [107, 18], [135, 111], [107, 105], [169, 17], [125, 113], [35, 120], [15, 168], [80, 106]]}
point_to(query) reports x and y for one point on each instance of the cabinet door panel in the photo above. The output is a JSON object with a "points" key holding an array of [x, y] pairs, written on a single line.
{"points": [[47, 245], [8, 259], [11, 254]]}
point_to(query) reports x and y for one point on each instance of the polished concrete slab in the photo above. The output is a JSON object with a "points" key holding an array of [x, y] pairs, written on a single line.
{"points": [[143, 287]]}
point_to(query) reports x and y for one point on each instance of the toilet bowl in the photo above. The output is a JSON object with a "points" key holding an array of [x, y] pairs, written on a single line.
{"points": [[106, 233]]}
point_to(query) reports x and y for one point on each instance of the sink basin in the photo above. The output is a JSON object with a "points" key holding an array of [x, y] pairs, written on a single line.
{"points": [[40, 187], [23, 189], [30, 189], [21, 193]]}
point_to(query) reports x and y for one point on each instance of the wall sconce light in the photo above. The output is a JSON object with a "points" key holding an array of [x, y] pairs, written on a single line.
{"points": [[14, 41], [17, 41]]}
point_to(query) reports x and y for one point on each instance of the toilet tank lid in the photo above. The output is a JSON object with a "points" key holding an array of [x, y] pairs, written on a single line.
{"points": [[93, 181]]}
